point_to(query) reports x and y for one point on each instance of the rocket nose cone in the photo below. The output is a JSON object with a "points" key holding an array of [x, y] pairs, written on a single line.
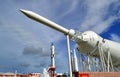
{"points": [[23, 11], [27, 13]]}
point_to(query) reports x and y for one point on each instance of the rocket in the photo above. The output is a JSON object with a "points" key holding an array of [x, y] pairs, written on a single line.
{"points": [[88, 42], [52, 55]]}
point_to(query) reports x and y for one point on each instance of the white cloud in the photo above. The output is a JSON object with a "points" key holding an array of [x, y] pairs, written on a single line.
{"points": [[104, 25], [115, 37], [73, 4], [97, 18]]}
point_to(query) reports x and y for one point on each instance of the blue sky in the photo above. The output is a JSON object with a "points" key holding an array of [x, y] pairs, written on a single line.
{"points": [[25, 44]]}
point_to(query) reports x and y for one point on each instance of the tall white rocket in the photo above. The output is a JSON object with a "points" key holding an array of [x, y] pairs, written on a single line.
{"points": [[52, 55]]}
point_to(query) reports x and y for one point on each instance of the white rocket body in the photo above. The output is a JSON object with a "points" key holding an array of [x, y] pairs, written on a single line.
{"points": [[52, 55], [87, 41]]}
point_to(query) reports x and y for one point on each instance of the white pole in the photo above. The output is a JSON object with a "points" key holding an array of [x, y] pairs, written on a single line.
{"points": [[69, 56], [75, 61]]}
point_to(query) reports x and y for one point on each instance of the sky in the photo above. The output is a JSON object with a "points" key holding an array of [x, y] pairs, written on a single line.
{"points": [[25, 44]]}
